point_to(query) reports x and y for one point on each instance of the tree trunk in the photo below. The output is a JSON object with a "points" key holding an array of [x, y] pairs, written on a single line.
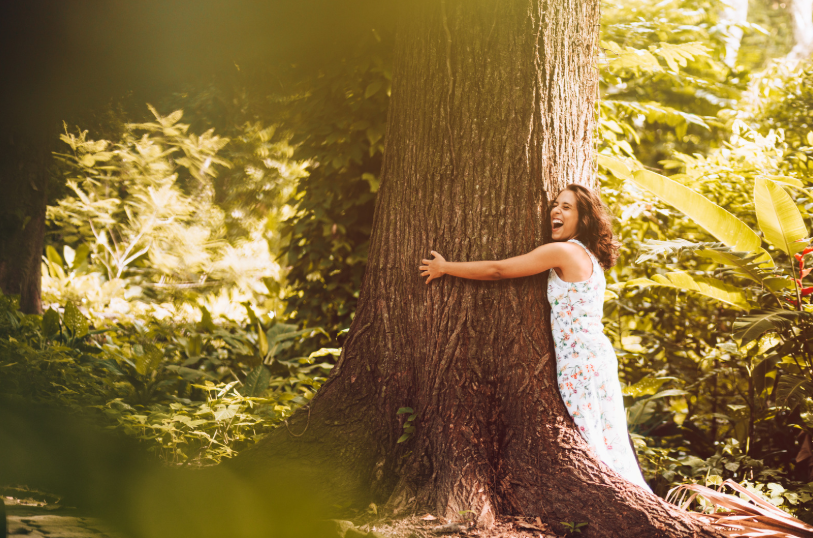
{"points": [[492, 113], [734, 12], [24, 180], [802, 13]]}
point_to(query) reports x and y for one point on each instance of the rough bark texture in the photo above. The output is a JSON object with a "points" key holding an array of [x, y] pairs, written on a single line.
{"points": [[492, 113], [24, 181]]}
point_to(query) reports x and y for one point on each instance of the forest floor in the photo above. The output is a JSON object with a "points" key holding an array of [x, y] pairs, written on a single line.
{"points": [[41, 517], [31, 519], [430, 527]]}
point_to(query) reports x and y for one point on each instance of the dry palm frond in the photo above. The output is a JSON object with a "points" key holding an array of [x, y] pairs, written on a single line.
{"points": [[750, 516]]}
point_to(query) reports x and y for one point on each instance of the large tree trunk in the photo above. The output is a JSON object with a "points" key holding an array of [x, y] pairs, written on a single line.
{"points": [[24, 180], [492, 113]]}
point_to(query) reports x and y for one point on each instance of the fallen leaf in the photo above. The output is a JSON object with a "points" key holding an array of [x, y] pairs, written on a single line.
{"points": [[428, 517]]}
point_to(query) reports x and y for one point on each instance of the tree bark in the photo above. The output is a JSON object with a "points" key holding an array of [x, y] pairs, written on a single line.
{"points": [[24, 179], [492, 113]]}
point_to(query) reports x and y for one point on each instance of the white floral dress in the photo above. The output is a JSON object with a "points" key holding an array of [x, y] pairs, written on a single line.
{"points": [[587, 369]]}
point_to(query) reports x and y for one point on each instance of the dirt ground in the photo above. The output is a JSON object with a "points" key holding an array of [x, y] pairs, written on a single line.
{"points": [[41, 516], [429, 527]]}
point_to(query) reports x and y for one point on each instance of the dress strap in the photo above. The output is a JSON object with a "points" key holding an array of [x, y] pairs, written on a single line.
{"points": [[592, 256]]}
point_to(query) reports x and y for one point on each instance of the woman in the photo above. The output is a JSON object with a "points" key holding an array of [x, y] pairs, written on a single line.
{"points": [[586, 366]]}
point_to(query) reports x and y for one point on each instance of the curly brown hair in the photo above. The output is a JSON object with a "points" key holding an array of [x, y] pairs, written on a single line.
{"points": [[595, 226]]}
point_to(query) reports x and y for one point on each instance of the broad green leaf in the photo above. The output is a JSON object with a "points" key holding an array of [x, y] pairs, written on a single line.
{"points": [[405, 410], [706, 214], [778, 217], [372, 88], [617, 167], [53, 256], [404, 437], [750, 327], [257, 381], [710, 287], [786, 180], [325, 351], [194, 346], [70, 255], [262, 341], [50, 323], [791, 389], [75, 321], [646, 386], [206, 321]]}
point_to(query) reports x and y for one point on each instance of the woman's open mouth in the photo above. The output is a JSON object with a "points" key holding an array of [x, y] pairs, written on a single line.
{"points": [[557, 223]]}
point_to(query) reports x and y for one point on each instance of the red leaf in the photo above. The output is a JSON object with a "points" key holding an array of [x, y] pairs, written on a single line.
{"points": [[807, 291], [805, 272]]}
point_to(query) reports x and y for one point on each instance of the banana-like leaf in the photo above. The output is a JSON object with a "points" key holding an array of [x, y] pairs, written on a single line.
{"points": [[748, 266], [792, 390], [758, 322], [778, 217], [617, 167], [786, 180], [708, 215], [710, 287]]}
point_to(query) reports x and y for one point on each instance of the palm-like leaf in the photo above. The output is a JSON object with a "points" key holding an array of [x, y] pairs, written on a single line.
{"points": [[747, 515], [710, 287], [778, 217]]}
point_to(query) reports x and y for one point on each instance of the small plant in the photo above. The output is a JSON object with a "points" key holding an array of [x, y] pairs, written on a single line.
{"points": [[409, 428], [466, 516], [574, 527]]}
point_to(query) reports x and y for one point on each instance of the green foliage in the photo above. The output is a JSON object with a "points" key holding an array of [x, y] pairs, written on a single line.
{"points": [[574, 527], [339, 126], [191, 391], [409, 426], [145, 208]]}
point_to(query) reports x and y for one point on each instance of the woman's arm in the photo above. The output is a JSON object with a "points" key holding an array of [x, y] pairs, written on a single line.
{"points": [[538, 260]]}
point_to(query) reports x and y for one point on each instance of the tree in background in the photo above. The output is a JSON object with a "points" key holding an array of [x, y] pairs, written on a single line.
{"points": [[25, 164]]}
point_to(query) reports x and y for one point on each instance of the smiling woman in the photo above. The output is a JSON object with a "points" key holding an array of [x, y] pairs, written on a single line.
{"points": [[586, 365]]}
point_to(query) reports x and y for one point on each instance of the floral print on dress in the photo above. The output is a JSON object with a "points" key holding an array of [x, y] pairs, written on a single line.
{"points": [[587, 369]]}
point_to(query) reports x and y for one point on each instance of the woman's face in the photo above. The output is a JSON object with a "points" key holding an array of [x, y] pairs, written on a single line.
{"points": [[564, 216]]}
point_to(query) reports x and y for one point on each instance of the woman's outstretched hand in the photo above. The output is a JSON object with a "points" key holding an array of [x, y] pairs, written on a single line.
{"points": [[432, 269]]}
